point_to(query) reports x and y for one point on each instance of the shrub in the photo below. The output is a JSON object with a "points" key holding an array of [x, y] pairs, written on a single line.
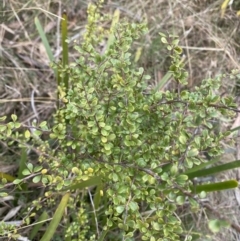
{"points": [[120, 148]]}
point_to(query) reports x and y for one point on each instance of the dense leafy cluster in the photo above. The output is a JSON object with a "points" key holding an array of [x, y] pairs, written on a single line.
{"points": [[137, 143]]}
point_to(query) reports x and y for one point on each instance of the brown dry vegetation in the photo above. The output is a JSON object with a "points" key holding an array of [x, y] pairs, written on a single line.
{"points": [[211, 47]]}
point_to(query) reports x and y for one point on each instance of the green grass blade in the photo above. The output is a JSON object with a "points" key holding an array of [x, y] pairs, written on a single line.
{"points": [[97, 196], [214, 170], [235, 129], [6, 176], [56, 218], [45, 42], [202, 166], [44, 39], [224, 7], [93, 181], [103, 235], [163, 81], [23, 162], [22, 166], [219, 186], [37, 227], [64, 33]]}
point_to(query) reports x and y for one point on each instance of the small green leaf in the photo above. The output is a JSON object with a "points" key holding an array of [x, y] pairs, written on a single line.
{"points": [[115, 177], [120, 209], [3, 128], [192, 152], [53, 136], [181, 179], [67, 183], [37, 179], [156, 226], [3, 118], [174, 169], [111, 137], [26, 172], [37, 168], [127, 142], [101, 124], [9, 132], [4, 194], [178, 50], [60, 127], [215, 225], [14, 117], [91, 123], [45, 180], [27, 134], [17, 181], [133, 206], [164, 40], [107, 128], [30, 167], [164, 176], [180, 200], [162, 34], [59, 186], [141, 70], [104, 139], [17, 125], [108, 146], [147, 77], [145, 178], [43, 125], [202, 194], [183, 139], [104, 132], [175, 42]]}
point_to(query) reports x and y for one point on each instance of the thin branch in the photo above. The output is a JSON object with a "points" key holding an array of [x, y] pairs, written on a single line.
{"points": [[94, 212]]}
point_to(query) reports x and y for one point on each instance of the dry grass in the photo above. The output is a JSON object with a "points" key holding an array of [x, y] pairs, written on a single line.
{"points": [[210, 44]]}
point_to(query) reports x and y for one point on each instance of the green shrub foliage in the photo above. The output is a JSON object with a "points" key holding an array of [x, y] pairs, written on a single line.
{"points": [[135, 142]]}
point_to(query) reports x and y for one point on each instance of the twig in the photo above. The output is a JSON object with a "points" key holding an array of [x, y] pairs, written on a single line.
{"points": [[94, 212]]}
